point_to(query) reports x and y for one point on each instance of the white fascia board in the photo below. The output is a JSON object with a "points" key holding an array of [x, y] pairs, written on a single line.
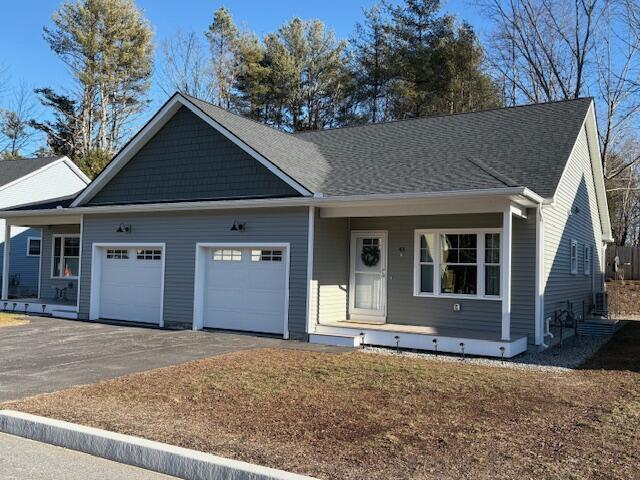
{"points": [[74, 168], [517, 195], [166, 112], [238, 141], [590, 124], [161, 117]]}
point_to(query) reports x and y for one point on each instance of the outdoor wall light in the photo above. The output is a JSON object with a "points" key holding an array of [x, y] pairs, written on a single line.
{"points": [[122, 228], [237, 227]]}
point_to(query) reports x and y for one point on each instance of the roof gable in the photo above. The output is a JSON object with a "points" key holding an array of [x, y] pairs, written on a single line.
{"points": [[12, 170], [188, 160]]}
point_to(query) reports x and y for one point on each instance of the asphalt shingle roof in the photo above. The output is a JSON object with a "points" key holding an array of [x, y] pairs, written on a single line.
{"points": [[11, 170], [525, 146]]}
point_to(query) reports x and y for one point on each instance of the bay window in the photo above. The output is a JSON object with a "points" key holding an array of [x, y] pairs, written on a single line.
{"points": [[66, 256], [457, 263]]}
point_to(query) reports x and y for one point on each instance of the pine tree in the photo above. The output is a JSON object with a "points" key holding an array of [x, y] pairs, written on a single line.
{"points": [[107, 46], [223, 40]]}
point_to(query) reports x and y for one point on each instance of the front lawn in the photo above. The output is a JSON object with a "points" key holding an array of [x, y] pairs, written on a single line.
{"points": [[11, 319], [355, 416]]}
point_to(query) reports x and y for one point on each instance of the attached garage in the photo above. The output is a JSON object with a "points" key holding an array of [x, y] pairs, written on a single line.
{"points": [[242, 287], [127, 283]]}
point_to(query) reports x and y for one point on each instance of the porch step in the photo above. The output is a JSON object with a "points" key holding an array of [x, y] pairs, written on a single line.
{"points": [[375, 335], [64, 314], [336, 340], [598, 328]]}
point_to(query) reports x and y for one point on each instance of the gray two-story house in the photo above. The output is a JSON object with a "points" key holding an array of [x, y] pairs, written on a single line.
{"points": [[467, 229]]}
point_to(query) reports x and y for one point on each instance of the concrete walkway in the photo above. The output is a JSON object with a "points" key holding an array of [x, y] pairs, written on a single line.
{"points": [[52, 354], [23, 459]]}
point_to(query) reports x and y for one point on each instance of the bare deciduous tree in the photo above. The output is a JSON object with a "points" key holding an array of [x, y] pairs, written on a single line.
{"points": [[186, 67], [16, 132]]}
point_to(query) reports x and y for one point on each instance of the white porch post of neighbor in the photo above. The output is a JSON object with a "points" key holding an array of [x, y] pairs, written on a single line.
{"points": [[5, 261], [507, 227]]}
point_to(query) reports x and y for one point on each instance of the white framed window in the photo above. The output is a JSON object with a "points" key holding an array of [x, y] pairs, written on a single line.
{"points": [[492, 264], [65, 257], [33, 246], [588, 255], [266, 255], [227, 255], [457, 263], [426, 262], [149, 254], [117, 254], [574, 257]]}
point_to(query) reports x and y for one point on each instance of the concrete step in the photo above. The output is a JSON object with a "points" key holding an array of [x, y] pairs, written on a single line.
{"points": [[335, 340], [598, 328]]}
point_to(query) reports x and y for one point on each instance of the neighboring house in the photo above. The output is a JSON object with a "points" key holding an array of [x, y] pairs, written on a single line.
{"points": [[26, 181], [431, 233]]}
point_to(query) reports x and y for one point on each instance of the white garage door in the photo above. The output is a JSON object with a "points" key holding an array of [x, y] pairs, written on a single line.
{"points": [[131, 284], [245, 289]]}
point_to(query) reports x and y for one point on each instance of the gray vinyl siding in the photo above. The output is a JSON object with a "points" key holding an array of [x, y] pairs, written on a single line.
{"points": [[48, 285], [406, 309], [187, 159], [23, 265], [573, 216], [523, 276], [330, 284], [180, 231], [331, 277]]}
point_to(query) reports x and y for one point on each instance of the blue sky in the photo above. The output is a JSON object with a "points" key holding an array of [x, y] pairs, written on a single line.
{"points": [[26, 55]]}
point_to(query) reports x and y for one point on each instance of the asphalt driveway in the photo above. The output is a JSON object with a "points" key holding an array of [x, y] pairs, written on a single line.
{"points": [[50, 354]]}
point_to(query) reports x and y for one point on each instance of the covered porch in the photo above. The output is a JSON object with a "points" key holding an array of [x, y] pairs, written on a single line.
{"points": [[59, 269], [456, 275]]}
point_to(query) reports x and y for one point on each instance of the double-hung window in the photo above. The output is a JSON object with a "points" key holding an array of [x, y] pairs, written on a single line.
{"points": [[66, 256], [587, 259], [574, 257], [33, 247], [457, 263]]}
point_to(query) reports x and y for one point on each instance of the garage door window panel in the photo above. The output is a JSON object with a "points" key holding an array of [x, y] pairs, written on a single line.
{"points": [[227, 255], [145, 254], [266, 255], [118, 254], [66, 256]]}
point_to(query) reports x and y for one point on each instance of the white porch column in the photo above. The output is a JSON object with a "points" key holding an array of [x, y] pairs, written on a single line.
{"points": [[5, 261], [507, 227]]}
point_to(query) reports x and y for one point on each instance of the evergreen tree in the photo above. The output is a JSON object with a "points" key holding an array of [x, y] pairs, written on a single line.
{"points": [[223, 39], [107, 46], [372, 57]]}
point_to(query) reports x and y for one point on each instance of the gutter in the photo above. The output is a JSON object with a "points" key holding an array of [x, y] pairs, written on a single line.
{"points": [[318, 200]]}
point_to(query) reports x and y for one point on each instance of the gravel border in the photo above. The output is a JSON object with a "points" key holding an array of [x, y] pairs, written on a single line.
{"points": [[561, 359]]}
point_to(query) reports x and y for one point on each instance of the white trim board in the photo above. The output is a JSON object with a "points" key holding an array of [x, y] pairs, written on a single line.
{"points": [[29, 246], [96, 274], [152, 127], [199, 277]]}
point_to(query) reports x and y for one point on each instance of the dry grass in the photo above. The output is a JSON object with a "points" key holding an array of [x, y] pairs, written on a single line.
{"points": [[11, 320], [624, 298], [354, 416]]}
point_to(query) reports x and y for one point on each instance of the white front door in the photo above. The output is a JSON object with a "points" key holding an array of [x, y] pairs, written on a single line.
{"points": [[368, 285]]}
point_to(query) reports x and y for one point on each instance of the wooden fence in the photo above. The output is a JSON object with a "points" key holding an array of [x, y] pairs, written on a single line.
{"points": [[629, 262]]}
